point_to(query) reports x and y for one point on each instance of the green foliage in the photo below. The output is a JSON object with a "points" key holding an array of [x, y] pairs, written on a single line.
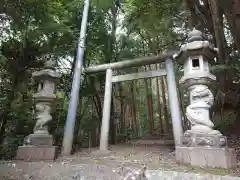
{"points": [[225, 121]]}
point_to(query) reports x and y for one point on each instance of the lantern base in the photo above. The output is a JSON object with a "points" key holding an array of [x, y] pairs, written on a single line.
{"points": [[37, 147], [213, 139], [39, 139], [206, 157], [205, 150], [36, 153]]}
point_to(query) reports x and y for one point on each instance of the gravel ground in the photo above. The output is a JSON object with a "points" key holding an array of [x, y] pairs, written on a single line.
{"points": [[123, 160]]}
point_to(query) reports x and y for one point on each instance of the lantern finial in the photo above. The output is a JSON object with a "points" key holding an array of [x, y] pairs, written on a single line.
{"points": [[195, 35], [49, 64]]}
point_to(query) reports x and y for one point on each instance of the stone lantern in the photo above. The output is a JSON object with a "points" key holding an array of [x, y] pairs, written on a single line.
{"points": [[38, 146], [201, 145]]}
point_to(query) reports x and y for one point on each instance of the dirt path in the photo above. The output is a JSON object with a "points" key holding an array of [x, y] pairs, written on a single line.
{"points": [[123, 159]]}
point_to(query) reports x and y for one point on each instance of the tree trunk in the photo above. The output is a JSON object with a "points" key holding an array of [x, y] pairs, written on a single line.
{"points": [[236, 13], [165, 111], [122, 122], [218, 29], [232, 13], [149, 105], [159, 103], [181, 100], [112, 124], [133, 108], [151, 100], [98, 106]]}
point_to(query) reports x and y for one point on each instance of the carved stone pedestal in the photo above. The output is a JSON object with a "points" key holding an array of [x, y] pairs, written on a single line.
{"points": [[206, 157], [39, 139], [206, 150], [36, 153], [191, 139], [37, 147]]}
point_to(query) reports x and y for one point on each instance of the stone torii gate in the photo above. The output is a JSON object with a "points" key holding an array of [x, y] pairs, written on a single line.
{"points": [[169, 72], [110, 79]]}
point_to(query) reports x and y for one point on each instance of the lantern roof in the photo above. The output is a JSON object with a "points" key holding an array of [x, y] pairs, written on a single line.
{"points": [[196, 46], [48, 73]]}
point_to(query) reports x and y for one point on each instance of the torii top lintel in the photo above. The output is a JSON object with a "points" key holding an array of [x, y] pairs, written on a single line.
{"points": [[131, 63]]}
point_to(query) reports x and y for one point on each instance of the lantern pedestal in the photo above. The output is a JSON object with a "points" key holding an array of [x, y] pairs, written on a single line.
{"points": [[213, 157], [205, 150], [40, 139], [37, 146], [191, 139], [36, 153]]}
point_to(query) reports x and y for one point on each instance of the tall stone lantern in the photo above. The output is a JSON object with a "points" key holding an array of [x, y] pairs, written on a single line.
{"points": [[38, 146], [201, 145]]}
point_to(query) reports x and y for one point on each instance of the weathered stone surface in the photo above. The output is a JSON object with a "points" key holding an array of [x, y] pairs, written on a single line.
{"points": [[45, 95], [39, 140], [196, 140], [34, 153], [184, 82], [206, 157]]}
